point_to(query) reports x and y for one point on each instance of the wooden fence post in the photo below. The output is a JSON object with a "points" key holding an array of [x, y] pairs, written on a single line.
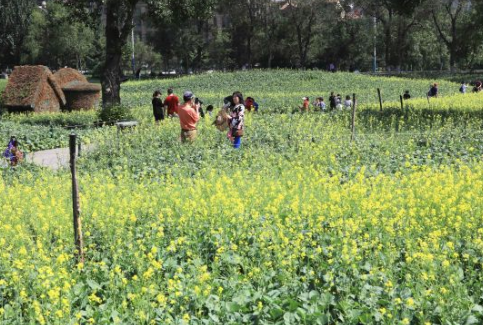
{"points": [[402, 103], [78, 240], [380, 97], [353, 120]]}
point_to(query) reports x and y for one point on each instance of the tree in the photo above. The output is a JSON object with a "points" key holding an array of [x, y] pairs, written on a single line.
{"points": [[15, 17], [270, 28], [145, 55], [398, 18], [55, 40], [452, 19], [303, 16]]}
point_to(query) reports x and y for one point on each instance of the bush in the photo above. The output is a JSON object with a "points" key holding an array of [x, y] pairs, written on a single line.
{"points": [[115, 113]]}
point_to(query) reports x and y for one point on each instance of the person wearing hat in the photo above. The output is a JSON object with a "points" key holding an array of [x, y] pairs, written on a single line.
{"points": [[189, 115], [305, 104]]}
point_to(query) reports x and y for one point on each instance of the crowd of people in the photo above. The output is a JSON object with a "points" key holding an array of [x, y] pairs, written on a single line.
{"points": [[231, 116]]}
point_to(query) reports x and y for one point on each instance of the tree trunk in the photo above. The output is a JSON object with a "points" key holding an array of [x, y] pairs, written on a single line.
{"points": [[118, 25], [388, 40], [270, 57], [199, 49], [452, 50]]}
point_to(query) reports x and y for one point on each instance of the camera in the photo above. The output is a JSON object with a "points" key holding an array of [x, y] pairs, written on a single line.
{"points": [[198, 101]]}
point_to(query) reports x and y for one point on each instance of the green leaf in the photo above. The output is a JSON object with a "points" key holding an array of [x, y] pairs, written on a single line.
{"points": [[472, 320], [93, 284], [233, 307]]}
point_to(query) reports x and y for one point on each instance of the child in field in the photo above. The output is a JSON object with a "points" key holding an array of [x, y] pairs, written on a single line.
{"points": [[406, 95], [348, 102], [13, 153], [463, 87]]}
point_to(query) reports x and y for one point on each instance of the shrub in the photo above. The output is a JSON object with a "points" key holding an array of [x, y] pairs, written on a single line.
{"points": [[115, 113]]}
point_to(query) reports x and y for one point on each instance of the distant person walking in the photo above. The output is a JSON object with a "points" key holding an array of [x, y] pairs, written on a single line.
{"points": [[188, 114], [171, 103], [158, 110]]}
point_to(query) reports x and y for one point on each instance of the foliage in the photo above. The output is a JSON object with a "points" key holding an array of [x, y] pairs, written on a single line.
{"points": [[57, 41], [300, 245], [298, 226], [275, 91], [145, 57], [115, 113], [15, 17]]}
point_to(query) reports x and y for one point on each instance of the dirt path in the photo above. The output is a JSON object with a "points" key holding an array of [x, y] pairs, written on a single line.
{"points": [[54, 159]]}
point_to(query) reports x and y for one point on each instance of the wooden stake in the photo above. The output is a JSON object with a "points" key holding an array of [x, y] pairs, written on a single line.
{"points": [[353, 120], [402, 103], [380, 98], [78, 240]]}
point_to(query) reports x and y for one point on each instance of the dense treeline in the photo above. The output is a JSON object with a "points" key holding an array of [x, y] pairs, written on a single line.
{"points": [[229, 34]]}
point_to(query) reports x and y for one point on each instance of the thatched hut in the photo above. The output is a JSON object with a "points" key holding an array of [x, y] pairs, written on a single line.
{"points": [[33, 88], [82, 96], [69, 77]]}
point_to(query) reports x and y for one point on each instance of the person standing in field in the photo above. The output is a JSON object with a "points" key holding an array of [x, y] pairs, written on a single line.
{"points": [[348, 102], [249, 104], [332, 101], [433, 91], [305, 105], [478, 87], [463, 87], [320, 104], [406, 95], [158, 110], [236, 119], [171, 103], [188, 117]]}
